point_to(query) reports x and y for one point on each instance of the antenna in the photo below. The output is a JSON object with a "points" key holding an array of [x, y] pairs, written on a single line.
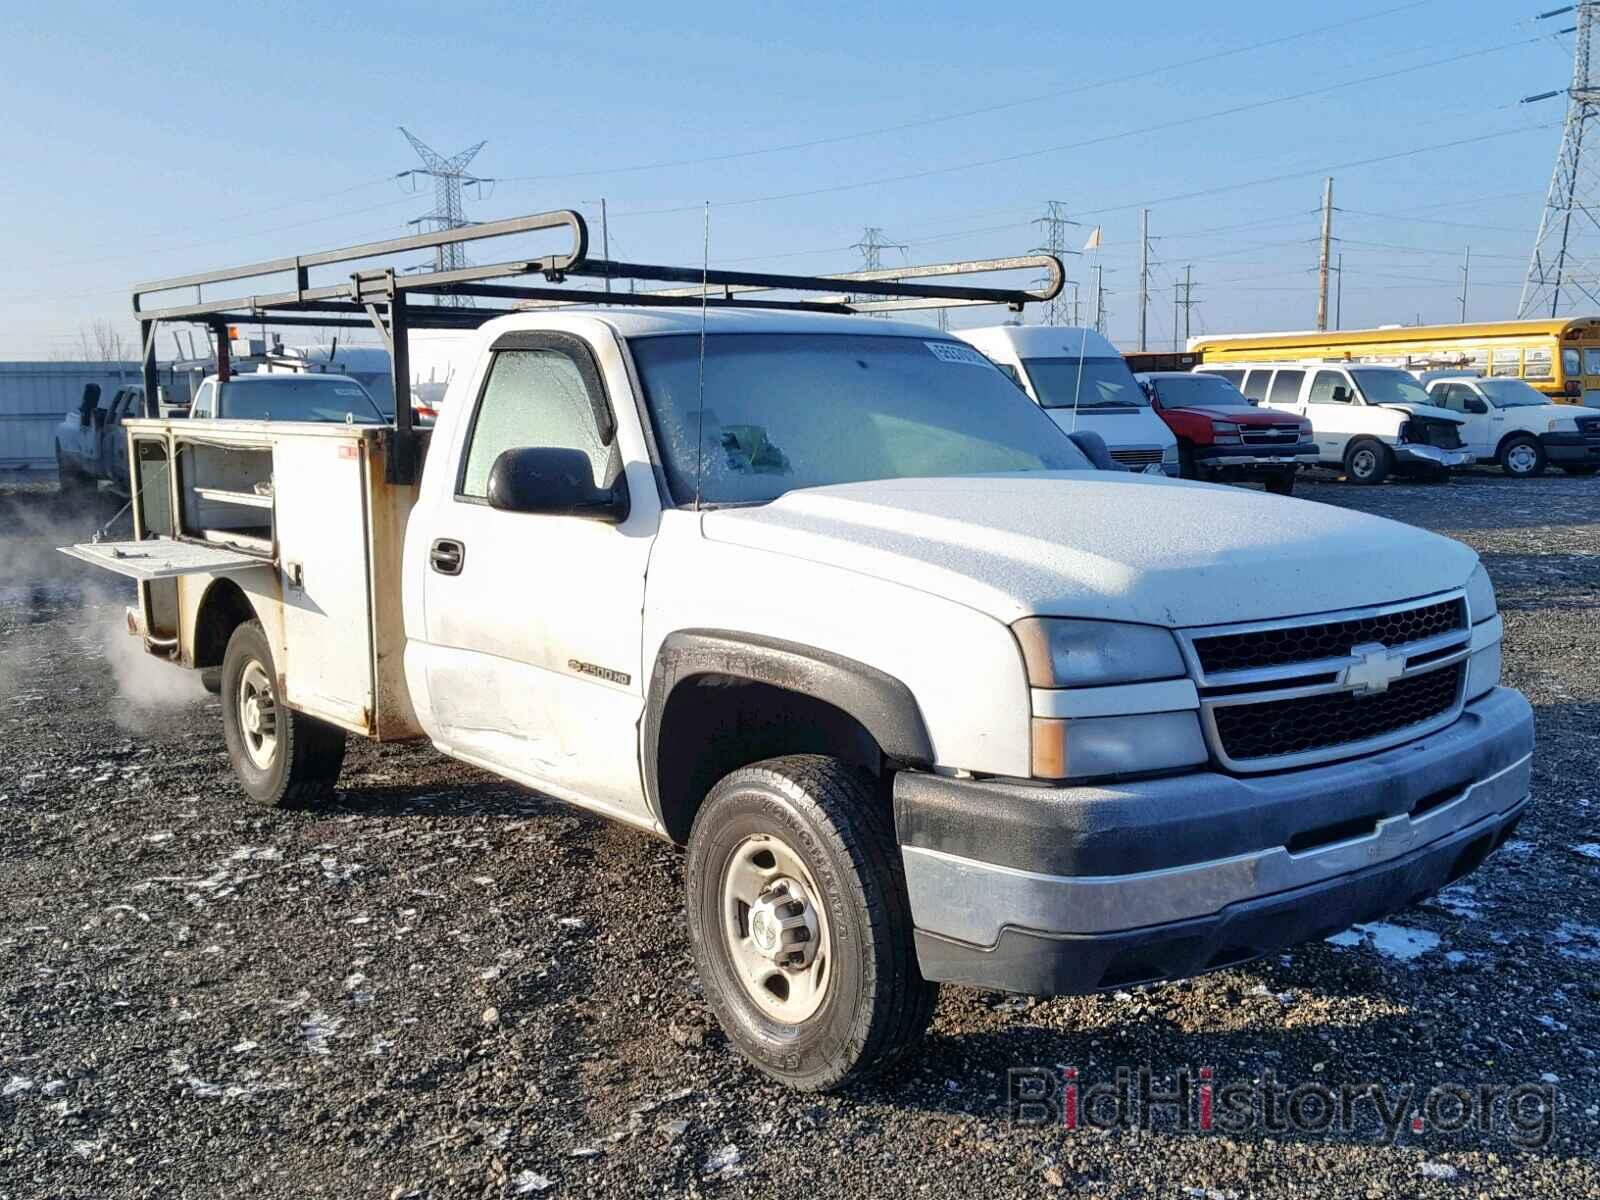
{"points": [[700, 419]]}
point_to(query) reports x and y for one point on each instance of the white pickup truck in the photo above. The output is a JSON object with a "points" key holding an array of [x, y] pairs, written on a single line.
{"points": [[831, 602]]}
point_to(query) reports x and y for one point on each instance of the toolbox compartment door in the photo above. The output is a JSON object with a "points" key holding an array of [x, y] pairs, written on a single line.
{"points": [[162, 558]]}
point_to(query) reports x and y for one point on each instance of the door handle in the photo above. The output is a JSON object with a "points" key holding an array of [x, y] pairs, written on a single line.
{"points": [[447, 555]]}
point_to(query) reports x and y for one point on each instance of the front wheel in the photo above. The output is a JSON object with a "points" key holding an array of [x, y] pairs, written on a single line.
{"points": [[1367, 462], [800, 924], [1281, 483], [283, 758], [1522, 456]]}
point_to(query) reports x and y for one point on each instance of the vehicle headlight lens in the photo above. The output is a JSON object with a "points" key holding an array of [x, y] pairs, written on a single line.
{"points": [[1059, 652], [1483, 670], [1224, 431], [1085, 747], [1305, 429], [1563, 425], [1480, 596], [1169, 454]]}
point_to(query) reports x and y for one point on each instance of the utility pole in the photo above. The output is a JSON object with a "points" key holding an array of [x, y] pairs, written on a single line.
{"points": [[1324, 263], [1187, 304], [1564, 269], [1054, 226], [1338, 295], [605, 238], [1144, 275], [1466, 274], [449, 176]]}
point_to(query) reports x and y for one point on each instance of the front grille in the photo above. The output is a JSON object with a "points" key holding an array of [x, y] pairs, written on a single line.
{"points": [[1274, 728], [1272, 435], [1589, 428], [1332, 639], [1446, 435], [1136, 458]]}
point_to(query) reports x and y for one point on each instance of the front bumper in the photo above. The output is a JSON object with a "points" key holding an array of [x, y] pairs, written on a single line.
{"points": [[1067, 890], [1570, 448], [1417, 454], [1254, 459]]}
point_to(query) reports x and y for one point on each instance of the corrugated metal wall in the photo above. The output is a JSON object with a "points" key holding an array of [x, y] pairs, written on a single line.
{"points": [[34, 396]]}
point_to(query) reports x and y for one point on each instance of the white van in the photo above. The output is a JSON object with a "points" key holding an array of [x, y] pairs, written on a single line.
{"points": [[1081, 380], [1368, 421]]}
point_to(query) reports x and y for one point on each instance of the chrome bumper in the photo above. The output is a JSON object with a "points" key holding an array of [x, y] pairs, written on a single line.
{"points": [[1433, 456]]}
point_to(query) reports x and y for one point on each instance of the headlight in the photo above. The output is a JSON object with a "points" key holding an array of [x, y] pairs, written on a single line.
{"points": [[1305, 429], [1067, 653], [1169, 454], [1224, 431], [1085, 747], [1480, 596], [1562, 425], [1483, 671]]}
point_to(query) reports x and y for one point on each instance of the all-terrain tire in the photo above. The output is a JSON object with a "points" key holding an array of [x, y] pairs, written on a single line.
{"points": [[301, 765], [1367, 462], [836, 822], [1521, 456]]}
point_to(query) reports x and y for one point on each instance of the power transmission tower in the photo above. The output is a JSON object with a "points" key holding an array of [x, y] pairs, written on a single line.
{"points": [[1186, 289], [872, 245], [1324, 263], [1054, 225], [449, 177], [1466, 275], [1099, 299], [1564, 269], [1144, 275]]}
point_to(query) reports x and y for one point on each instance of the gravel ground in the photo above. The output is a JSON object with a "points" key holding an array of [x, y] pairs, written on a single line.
{"points": [[447, 985]]}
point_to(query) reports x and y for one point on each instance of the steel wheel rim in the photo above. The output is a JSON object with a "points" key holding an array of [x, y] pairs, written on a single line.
{"points": [[1521, 458], [1363, 463], [258, 715], [775, 932]]}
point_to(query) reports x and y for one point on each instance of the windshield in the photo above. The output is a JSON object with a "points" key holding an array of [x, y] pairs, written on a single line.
{"points": [[1210, 391], [298, 398], [1106, 383], [786, 411], [1511, 393], [1385, 385]]}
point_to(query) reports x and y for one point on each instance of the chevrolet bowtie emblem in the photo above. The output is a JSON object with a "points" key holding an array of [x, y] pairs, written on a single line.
{"points": [[1375, 668]]}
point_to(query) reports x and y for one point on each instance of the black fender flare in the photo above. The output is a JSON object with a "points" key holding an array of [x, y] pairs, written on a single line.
{"points": [[882, 704]]}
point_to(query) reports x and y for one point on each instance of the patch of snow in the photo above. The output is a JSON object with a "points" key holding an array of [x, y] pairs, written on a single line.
{"points": [[16, 1084], [1391, 941], [380, 1047], [245, 1047], [725, 1162], [570, 922], [1551, 1023], [316, 1029], [1576, 941], [1549, 1077], [1587, 850], [1433, 1170], [1460, 900], [526, 1183]]}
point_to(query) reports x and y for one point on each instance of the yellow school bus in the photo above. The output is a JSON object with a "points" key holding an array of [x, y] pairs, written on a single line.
{"points": [[1560, 358]]}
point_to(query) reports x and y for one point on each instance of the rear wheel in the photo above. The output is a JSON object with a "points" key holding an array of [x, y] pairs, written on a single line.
{"points": [[283, 758], [1367, 461], [1281, 483], [800, 924], [1522, 456]]}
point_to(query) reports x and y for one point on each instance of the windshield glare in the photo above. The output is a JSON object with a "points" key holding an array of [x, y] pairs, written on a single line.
{"points": [[787, 411], [1387, 385], [1104, 383], [298, 398], [1511, 393], [1209, 391]]}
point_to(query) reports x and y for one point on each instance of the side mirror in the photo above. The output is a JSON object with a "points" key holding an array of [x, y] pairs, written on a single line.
{"points": [[554, 481], [1341, 395], [1094, 449], [1473, 405]]}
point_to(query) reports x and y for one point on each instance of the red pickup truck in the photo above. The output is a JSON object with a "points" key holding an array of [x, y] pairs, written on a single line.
{"points": [[1222, 436]]}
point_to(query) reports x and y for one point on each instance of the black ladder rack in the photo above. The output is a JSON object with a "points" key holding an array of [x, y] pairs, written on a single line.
{"points": [[378, 296]]}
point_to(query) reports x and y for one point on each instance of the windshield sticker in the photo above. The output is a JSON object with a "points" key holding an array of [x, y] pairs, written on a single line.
{"points": [[951, 353], [348, 391]]}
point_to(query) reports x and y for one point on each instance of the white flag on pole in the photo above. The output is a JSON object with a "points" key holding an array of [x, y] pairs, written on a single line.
{"points": [[1094, 240]]}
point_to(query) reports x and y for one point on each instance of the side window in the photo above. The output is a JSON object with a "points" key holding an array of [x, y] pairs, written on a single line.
{"points": [[1591, 362], [1286, 387], [1536, 363], [1506, 362], [205, 401], [1233, 377], [1011, 373], [1329, 387], [535, 398], [1255, 385], [1450, 395]]}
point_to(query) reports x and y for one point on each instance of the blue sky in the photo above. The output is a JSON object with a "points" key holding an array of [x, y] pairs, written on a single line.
{"points": [[200, 136]]}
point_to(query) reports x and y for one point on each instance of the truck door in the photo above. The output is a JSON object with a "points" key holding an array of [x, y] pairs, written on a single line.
{"points": [[534, 622], [1334, 411], [1485, 423]]}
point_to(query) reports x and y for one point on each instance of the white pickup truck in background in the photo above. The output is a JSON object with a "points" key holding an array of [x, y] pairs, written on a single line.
{"points": [[833, 604], [1512, 423]]}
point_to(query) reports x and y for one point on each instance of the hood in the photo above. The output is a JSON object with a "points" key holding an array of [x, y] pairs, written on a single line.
{"points": [[1239, 416], [1428, 410], [1102, 544]]}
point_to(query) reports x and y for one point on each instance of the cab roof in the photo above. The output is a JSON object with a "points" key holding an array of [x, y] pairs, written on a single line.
{"points": [[653, 322]]}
